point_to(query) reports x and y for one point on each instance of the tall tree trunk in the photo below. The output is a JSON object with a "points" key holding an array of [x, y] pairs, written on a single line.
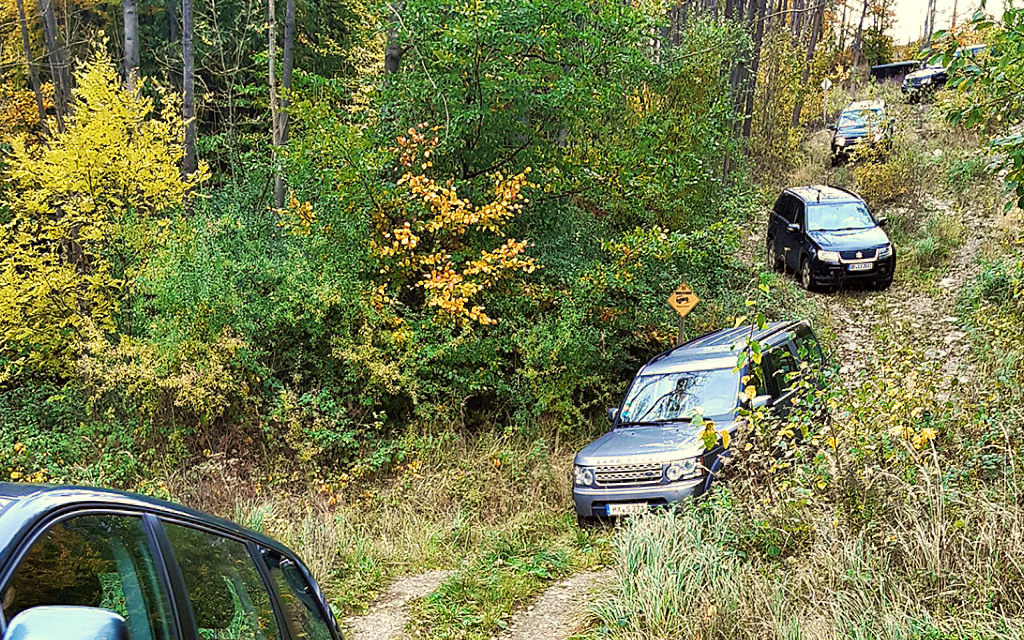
{"points": [[755, 63], [858, 43], [287, 66], [172, 21], [812, 43], [188, 80], [130, 13], [393, 52], [33, 77], [842, 29], [58, 64]]}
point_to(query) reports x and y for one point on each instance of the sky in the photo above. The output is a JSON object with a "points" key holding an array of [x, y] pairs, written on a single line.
{"points": [[910, 15]]}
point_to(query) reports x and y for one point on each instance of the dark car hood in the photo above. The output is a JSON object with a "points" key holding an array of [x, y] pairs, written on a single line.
{"points": [[849, 240], [924, 73], [631, 445]]}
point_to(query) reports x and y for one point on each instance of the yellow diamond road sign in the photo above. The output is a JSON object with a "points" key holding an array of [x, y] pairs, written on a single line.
{"points": [[683, 300]]}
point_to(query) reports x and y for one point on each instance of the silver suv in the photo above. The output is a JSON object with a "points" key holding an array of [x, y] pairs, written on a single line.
{"points": [[654, 456]]}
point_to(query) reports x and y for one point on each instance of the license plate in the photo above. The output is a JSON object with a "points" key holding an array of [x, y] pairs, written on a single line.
{"points": [[861, 266], [626, 509]]}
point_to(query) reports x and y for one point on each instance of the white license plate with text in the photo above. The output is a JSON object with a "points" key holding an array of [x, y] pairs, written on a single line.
{"points": [[626, 509], [861, 266]]}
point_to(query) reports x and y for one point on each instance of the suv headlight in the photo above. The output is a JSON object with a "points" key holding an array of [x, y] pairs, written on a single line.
{"points": [[828, 256], [584, 476], [840, 141], [682, 469], [885, 251]]}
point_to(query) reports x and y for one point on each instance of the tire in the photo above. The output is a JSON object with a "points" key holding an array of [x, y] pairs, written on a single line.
{"points": [[882, 285], [771, 257], [806, 281]]}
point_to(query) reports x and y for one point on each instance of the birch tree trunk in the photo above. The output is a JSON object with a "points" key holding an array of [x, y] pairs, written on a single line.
{"points": [[58, 64], [188, 80], [857, 44], [33, 77], [130, 13]]}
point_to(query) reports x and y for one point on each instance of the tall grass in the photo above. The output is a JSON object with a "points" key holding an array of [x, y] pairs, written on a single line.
{"points": [[935, 563]]}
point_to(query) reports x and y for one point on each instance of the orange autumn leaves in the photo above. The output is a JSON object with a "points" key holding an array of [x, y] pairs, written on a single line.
{"points": [[431, 241]]}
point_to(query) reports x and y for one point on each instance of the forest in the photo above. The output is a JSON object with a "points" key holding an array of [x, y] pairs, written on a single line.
{"points": [[300, 263]]}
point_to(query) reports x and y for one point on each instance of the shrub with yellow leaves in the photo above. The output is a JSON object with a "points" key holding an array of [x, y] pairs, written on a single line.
{"points": [[86, 208], [432, 241]]}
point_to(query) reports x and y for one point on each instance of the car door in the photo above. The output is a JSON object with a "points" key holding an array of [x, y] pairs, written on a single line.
{"points": [[784, 238], [100, 560], [793, 237]]}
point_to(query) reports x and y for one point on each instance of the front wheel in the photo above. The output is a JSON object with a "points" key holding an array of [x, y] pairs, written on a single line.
{"points": [[882, 285]]}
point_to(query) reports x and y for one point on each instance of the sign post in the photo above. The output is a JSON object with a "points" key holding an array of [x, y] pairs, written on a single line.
{"points": [[682, 300], [826, 84]]}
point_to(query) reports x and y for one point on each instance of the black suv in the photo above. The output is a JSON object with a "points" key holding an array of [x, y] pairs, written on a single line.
{"points": [[925, 80], [90, 564], [861, 125], [829, 237]]}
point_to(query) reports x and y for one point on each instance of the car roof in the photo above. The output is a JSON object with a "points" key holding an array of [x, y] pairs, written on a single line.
{"points": [[862, 105], [23, 505], [718, 349], [822, 193]]}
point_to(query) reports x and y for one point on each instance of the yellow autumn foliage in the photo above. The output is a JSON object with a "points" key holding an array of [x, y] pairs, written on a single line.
{"points": [[86, 207], [429, 249]]}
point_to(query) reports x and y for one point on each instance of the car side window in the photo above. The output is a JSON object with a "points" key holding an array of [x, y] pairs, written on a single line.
{"points": [[102, 561], [779, 365], [787, 208], [799, 214], [228, 596], [301, 604], [807, 346], [780, 205]]}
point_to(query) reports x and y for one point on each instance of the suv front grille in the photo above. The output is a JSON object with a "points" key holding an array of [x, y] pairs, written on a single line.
{"points": [[865, 254], [628, 475]]}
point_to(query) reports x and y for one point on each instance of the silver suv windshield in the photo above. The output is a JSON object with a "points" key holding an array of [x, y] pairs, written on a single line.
{"points": [[677, 396]]}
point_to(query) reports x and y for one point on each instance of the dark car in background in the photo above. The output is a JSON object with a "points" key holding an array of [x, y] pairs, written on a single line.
{"points": [[861, 125], [92, 564], [927, 79], [829, 237], [654, 456]]}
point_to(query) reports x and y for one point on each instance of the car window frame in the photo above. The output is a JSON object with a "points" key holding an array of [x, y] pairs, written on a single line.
{"points": [[326, 615], [150, 525]]}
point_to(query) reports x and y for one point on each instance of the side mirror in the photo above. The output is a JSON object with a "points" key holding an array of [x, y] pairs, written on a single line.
{"points": [[66, 623], [792, 227], [831, 127], [613, 413], [760, 402], [881, 222]]}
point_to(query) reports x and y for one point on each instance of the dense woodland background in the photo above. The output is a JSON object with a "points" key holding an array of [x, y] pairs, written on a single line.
{"points": [[353, 247], [365, 274]]}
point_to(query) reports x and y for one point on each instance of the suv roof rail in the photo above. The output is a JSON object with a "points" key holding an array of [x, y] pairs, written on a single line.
{"points": [[735, 334], [845, 190]]}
